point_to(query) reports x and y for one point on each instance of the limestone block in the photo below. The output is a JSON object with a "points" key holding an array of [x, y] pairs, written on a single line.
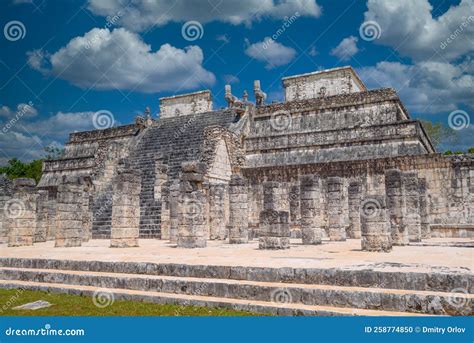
{"points": [[396, 204], [337, 231], [217, 211], [41, 216], [21, 213], [424, 210], [354, 200], [311, 231], [375, 227], [411, 215], [274, 230], [238, 210]]}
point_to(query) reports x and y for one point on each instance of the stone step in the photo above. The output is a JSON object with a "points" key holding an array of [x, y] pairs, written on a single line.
{"points": [[356, 277], [439, 303], [273, 308]]}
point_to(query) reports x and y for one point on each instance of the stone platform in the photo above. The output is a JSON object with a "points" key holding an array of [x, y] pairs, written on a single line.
{"points": [[335, 278]]}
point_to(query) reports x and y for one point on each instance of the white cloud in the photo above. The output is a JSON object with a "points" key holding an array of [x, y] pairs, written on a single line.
{"points": [[229, 79], [409, 27], [22, 110], [271, 52], [119, 59], [223, 38], [426, 87], [138, 15], [346, 49]]}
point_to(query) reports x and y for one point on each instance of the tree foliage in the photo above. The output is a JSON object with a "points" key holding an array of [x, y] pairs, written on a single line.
{"points": [[16, 168], [439, 134]]}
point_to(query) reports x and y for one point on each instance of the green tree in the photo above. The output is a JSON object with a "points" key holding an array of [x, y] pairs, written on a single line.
{"points": [[470, 150], [16, 169], [439, 134]]}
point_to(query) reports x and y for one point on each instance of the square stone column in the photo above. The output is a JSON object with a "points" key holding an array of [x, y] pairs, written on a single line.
{"points": [[424, 210], [238, 210], [354, 200], [192, 221], [270, 195], [124, 231], [52, 217], [21, 213], [274, 230], [41, 231], [69, 230], [411, 215], [337, 230], [174, 211], [217, 211], [88, 216], [375, 226], [395, 205], [6, 192], [311, 231]]}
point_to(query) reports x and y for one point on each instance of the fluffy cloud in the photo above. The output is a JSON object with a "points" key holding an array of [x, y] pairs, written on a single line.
{"points": [[271, 52], [346, 49], [138, 15], [409, 27], [119, 59], [22, 110], [426, 87]]}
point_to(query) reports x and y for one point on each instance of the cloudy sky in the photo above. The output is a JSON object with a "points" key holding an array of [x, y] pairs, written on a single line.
{"points": [[62, 62]]}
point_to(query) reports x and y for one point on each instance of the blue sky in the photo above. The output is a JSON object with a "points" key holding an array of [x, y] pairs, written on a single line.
{"points": [[70, 59]]}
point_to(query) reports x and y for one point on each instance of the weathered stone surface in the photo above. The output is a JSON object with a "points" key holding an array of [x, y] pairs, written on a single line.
{"points": [[274, 230], [396, 205], [311, 222], [69, 229], [354, 200], [6, 192], [21, 213], [337, 230], [375, 227], [217, 219], [125, 208], [238, 210], [411, 213]]}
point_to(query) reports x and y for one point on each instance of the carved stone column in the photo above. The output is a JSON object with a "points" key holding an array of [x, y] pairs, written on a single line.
{"points": [[411, 216], [395, 205], [174, 211], [217, 211], [424, 210], [41, 216], [354, 199], [375, 225], [124, 231], [238, 210], [274, 230], [311, 231], [192, 221], [337, 231], [87, 217], [69, 231], [21, 213]]}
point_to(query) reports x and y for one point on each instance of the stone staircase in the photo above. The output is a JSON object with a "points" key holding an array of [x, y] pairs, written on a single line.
{"points": [[279, 291]]}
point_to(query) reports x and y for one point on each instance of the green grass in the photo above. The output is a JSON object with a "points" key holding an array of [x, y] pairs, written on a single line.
{"points": [[76, 305]]}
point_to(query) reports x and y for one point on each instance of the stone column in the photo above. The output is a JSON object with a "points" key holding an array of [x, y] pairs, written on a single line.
{"points": [[411, 216], [311, 232], [375, 226], [87, 215], [52, 216], [174, 211], [41, 216], [69, 231], [21, 213], [424, 211], [124, 230], [270, 195], [160, 196], [192, 221], [337, 231], [274, 230], [354, 199], [217, 211], [6, 190], [238, 210], [395, 205]]}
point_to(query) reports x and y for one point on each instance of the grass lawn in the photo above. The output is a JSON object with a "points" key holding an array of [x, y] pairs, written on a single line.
{"points": [[76, 305]]}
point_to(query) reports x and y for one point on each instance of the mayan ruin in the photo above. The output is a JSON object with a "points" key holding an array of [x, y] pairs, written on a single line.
{"points": [[334, 163]]}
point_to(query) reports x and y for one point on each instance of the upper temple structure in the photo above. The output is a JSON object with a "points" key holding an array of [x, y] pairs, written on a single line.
{"points": [[334, 160]]}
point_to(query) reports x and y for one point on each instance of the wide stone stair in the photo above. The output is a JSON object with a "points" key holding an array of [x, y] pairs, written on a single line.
{"points": [[278, 291]]}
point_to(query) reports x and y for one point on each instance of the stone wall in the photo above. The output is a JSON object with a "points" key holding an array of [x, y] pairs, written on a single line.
{"points": [[184, 104]]}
